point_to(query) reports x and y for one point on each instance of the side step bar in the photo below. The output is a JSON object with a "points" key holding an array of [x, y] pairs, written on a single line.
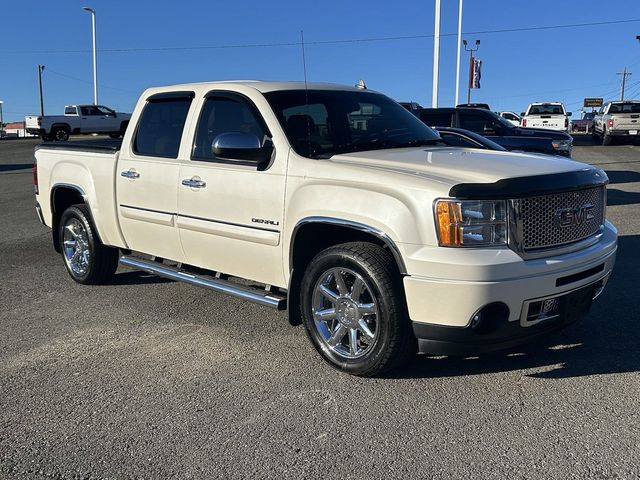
{"points": [[217, 284]]}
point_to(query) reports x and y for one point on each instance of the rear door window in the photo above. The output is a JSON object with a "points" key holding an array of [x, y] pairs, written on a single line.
{"points": [[160, 127]]}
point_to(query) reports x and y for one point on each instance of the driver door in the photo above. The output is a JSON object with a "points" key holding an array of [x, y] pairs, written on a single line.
{"points": [[230, 213]]}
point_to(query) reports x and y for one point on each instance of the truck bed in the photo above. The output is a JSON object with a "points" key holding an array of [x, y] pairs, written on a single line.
{"points": [[103, 145]]}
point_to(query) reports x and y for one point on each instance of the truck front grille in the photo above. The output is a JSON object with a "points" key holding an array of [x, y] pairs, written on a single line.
{"points": [[559, 219]]}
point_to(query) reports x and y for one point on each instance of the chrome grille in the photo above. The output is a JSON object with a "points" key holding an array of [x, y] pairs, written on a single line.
{"points": [[541, 227]]}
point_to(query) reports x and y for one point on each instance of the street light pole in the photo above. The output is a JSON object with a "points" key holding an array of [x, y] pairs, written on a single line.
{"points": [[1, 121], [95, 56], [458, 52], [436, 56], [40, 70], [470, 50]]}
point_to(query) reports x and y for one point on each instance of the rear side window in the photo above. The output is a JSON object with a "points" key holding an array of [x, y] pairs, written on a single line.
{"points": [[436, 119], [160, 127]]}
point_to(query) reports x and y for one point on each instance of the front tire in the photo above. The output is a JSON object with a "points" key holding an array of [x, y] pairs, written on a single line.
{"points": [[86, 258], [353, 309]]}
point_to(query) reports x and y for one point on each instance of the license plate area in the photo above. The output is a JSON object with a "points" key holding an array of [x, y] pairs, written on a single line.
{"points": [[568, 306]]}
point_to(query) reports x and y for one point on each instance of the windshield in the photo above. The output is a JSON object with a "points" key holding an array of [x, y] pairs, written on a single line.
{"points": [[322, 123], [628, 107], [546, 110]]}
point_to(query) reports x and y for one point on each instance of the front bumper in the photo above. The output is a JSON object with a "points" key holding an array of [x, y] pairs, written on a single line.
{"points": [[443, 309]]}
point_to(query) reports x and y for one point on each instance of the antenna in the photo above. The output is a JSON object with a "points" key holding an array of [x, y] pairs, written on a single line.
{"points": [[306, 91]]}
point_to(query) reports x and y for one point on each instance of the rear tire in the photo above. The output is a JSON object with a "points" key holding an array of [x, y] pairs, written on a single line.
{"points": [[86, 258], [60, 134], [606, 139], [353, 309]]}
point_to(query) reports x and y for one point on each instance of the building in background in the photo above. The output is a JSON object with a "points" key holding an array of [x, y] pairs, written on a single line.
{"points": [[16, 129]]}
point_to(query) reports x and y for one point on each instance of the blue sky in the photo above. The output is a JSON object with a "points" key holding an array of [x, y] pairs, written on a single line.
{"points": [[518, 67]]}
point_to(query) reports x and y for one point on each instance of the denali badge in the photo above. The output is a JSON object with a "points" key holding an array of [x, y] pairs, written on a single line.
{"points": [[566, 217], [266, 222]]}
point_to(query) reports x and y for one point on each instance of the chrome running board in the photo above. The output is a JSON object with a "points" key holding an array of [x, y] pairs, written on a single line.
{"points": [[255, 295]]}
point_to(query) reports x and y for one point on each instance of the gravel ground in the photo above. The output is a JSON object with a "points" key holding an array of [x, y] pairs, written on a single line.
{"points": [[147, 378]]}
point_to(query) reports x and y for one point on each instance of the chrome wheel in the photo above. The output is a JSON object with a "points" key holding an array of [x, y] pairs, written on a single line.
{"points": [[76, 247], [345, 313]]}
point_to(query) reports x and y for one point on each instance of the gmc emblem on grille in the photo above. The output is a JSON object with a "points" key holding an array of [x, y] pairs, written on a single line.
{"points": [[567, 217]]}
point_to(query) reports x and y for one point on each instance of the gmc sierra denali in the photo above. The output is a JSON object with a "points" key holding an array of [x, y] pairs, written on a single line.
{"points": [[346, 208]]}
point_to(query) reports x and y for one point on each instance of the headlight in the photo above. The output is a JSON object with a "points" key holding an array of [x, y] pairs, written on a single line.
{"points": [[471, 223], [561, 144]]}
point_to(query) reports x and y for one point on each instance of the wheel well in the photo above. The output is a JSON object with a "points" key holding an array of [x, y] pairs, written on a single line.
{"points": [[311, 238], [59, 126], [61, 199]]}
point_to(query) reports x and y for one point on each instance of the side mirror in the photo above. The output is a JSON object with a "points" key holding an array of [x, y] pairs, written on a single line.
{"points": [[115, 115], [522, 114], [241, 146], [568, 114]]}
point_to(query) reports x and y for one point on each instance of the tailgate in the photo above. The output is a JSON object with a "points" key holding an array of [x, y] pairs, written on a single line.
{"points": [[545, 121], [31, 121], [626, 122]]}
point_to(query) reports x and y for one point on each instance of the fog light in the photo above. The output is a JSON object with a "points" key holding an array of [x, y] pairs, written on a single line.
{"points": [[544, 310]]}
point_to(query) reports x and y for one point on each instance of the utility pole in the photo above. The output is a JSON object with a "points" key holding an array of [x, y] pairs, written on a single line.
{"points": [[95, 55], [458, 52], [1, 120], [624, 74], [470, 50], [436, 56], [40, 70]]}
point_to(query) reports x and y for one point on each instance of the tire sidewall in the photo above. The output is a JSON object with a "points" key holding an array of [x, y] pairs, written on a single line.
{"points": [[75, 212], [319, 266], [65, 135]]}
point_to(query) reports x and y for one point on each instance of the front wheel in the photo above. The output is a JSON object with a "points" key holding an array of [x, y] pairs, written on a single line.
{"points": [[86, 258], [353, 309]]}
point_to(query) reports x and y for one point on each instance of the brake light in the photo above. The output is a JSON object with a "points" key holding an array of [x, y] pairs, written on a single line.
{"points": [[39, 121], [610, 123], [524, 122], [35, 175]]}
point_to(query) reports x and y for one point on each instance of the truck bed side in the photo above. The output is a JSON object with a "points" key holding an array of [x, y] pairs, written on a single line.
{"points": [[87, 168]]}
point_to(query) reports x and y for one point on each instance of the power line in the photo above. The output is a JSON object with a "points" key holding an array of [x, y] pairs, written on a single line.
{"points": [[87, 81], [327, 42]]}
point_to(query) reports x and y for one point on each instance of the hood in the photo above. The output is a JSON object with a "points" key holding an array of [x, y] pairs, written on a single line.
{"points": [[540, 132], [451, 166]]}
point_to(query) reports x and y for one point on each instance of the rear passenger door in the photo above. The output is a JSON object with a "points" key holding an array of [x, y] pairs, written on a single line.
{"points": [[147, 177], [231, 220]]}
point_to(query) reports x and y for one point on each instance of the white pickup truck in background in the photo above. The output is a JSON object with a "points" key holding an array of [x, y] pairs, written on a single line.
{"points": [[78, 119], [617, 119], [550, 115]]}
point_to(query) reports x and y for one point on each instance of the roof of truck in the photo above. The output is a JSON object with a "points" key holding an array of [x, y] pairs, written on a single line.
{"points": [[261, 85]]}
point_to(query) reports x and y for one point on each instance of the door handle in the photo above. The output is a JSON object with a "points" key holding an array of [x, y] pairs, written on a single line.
{"points": [[130, 174], [193, 183]]}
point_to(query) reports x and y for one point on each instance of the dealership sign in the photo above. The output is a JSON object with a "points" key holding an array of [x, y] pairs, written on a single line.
{"points": [[593, 102]]}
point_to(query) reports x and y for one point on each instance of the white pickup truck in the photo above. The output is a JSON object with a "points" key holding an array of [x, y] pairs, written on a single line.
{"points": [[549, 115], [345, 208], [78, 119], [617, 119]]}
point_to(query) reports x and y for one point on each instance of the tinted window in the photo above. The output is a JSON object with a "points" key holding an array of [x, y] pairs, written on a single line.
{"points": [[160, 128], [104, 111], [476, 123], [625, 108], [223, 115], [436, 119], [456, 140], [327, 122], [546, 110], [85, 110]]}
